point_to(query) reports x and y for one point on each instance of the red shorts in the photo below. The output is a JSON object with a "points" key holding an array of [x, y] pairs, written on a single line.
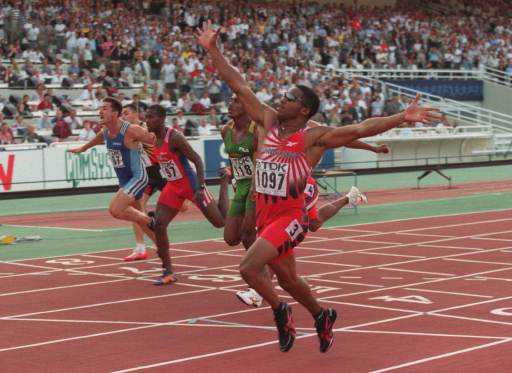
{"points": [[174, 196], [284, 229]]}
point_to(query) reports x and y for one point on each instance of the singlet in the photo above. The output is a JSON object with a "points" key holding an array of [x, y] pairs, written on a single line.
{"points": [[240, 155], [282, 171], [175, 167], [127, 162]]}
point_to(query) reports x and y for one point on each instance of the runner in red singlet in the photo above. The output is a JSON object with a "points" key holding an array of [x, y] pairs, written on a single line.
{"points": [[173, 153], [285, 156]]}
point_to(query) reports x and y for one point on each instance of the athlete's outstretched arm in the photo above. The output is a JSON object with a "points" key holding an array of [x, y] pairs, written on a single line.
{"points": [[180, 143], [207, 38], [328, 137], [98, 140], [141, 134]]}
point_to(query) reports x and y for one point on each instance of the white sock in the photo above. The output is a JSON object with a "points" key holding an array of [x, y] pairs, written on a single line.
{"points": [[140, 248]]}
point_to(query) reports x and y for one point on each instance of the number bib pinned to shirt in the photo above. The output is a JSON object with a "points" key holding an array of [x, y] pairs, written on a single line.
{"points": [[242, 167], [272, 178], [116, 157], [170, 171]]}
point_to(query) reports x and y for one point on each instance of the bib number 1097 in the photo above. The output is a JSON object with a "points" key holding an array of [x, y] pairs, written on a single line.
{"points": [[272, 178]]}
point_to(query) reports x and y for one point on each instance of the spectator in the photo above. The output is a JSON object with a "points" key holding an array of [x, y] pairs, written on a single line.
{"points": [[61, 130], [73, 121], [6, 135], [87, 133], [46, 104], [32, 136]]}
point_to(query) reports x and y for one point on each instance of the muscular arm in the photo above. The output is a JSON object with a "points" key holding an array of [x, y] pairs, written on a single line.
{"points": [[258, 111], [139, 133], [97, 140], [254, 108], [180, 143], [328, 137]]}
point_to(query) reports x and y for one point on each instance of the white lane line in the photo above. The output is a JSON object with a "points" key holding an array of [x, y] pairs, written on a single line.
{"points": [[451, 293], [442, 356]]}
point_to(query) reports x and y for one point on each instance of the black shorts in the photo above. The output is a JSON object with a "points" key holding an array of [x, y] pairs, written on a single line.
{"points": [[155, 180]]}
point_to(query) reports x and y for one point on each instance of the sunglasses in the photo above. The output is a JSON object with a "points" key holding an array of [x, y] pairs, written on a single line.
{"points": [[291, 97]]}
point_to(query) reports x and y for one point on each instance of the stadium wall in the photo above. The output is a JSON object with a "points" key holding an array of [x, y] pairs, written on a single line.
{"points": [[497, 97]]}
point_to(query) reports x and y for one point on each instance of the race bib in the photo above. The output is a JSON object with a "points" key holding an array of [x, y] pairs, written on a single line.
{"points": [[116, 157], [170, 171], [272, 178], [242, 167], [294, 229], [309, 190]]}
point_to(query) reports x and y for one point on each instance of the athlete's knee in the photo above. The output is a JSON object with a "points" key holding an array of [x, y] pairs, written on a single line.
{"points": [[115, 211], [247, 270], [231, 240], [287, 282], [160, 226], [314, 225]]}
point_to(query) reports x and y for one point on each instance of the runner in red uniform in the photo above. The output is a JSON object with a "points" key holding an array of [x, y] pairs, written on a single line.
{"points": [[173, 153], [286, 153]]}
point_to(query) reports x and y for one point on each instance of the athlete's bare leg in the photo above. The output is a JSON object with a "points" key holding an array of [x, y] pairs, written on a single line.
{"points": [[253, 271], [164, 215], [122, 207], [137, 230], [286, 274], [326, 212]]}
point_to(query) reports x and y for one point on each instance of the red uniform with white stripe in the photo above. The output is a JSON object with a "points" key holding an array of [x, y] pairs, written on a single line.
{"points": [[281, 174], [182, 181]]}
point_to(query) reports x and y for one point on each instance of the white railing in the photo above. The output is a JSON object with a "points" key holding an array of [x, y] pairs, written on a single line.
{"points": [[462, 112], [497, 76], [487, 74]]}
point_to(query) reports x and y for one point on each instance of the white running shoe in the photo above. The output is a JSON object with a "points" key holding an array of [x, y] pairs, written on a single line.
{"points": [[355, 197], [250, 297]]}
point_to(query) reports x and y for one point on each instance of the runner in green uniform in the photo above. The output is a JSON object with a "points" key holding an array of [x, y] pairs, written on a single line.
{"points": [[239, 137], [239, 143]]}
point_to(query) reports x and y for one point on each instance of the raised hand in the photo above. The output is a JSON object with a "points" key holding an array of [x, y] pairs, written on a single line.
{"points": [[416, 113], [207, 36]]}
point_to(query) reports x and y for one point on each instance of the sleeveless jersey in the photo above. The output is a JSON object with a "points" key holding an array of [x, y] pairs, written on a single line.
{"points": [[127, 162], [240, 155], [282, 171], [175, 167]]}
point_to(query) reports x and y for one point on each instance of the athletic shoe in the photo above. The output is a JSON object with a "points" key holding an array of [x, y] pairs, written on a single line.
{"points": [[250, 297], [355, 197], [167, 278], [323, 324], [285, 327], [136, 255]]}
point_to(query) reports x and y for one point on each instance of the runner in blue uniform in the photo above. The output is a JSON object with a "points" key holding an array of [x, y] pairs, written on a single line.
{"points": [[124, 146]]}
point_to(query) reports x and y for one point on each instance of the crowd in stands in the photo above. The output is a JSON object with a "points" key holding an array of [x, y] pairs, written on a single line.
{"points": [[109, 46]]}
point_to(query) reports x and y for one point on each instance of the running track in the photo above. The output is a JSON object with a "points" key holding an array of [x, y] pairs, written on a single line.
{"points": [[423, 295]]}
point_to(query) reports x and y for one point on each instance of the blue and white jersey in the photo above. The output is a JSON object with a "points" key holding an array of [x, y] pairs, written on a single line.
{"points": [[128, 163]]}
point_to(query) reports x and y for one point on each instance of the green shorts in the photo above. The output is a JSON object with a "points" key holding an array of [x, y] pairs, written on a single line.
{"points": [[242, 201]]}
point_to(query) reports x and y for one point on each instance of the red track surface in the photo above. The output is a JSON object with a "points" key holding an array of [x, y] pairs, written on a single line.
{"points": [[424, 295]]}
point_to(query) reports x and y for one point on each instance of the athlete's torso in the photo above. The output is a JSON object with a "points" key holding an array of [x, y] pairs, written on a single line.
{"points": [[174, 166], [126, 162], [281, 170], [240, 153]]}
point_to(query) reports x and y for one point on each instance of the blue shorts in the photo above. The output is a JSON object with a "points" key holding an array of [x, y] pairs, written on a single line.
{"points": [[135, 186]]}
